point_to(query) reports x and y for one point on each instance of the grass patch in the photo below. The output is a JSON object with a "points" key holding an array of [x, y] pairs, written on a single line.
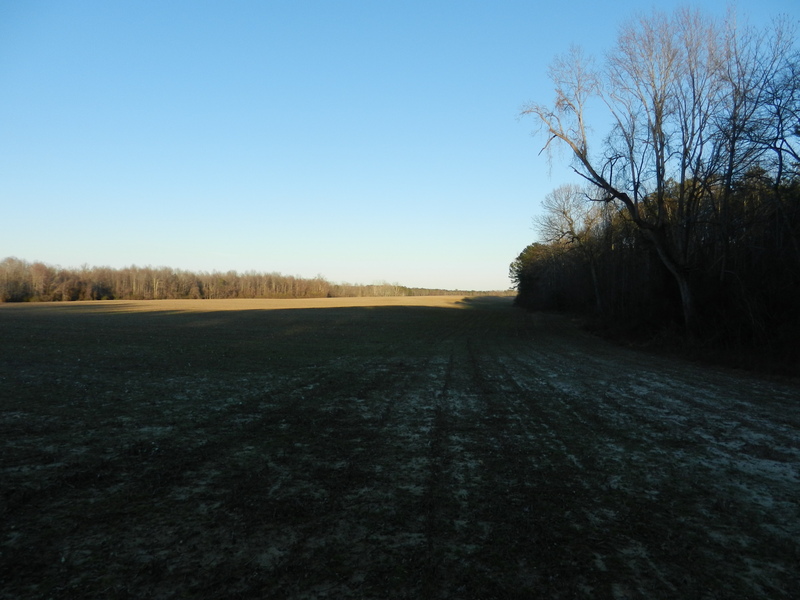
{"points": [[459, 449]]}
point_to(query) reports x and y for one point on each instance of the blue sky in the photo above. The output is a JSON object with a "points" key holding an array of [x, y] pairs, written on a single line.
{"points": [[363, 141]]}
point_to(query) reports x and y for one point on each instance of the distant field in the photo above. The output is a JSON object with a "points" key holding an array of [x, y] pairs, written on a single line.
{"points": [[247, 304], [414, 447]]}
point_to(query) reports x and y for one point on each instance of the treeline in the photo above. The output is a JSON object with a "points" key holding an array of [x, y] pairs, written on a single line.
{"points": [[689, 219], [22, 281], [745, 269]]}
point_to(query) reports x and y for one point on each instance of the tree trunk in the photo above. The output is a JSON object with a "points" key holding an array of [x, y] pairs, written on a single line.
{"points": [[596, 285], [687, 302], [679, 273]]}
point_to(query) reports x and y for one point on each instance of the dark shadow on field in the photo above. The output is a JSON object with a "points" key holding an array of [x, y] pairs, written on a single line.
{"points": [[227, 452], [487, 301], [122, 335], [198, 313], [469, 451]]}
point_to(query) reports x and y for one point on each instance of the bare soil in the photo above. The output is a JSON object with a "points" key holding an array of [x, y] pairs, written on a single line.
{"points": [[381, 448]]}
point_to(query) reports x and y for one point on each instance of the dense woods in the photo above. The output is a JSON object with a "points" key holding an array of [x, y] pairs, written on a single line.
{"points": [[22, 281], [689, 216]]}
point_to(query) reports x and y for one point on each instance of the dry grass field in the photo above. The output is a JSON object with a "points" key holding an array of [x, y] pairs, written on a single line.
{"points": [[381, 448]]}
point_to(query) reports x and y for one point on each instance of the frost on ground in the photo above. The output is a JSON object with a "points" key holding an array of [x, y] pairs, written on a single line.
{"points": [[454, 450]]}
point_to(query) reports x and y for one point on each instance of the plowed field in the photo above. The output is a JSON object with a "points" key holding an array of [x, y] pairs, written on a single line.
{"points": [[399, 448]]}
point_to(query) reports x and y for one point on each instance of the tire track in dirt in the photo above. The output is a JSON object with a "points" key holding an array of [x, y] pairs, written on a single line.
{"points": [[401, 446], [465, 453], [400, 454], [553, 441], [201, 467], [654, 480], [533, 481]]}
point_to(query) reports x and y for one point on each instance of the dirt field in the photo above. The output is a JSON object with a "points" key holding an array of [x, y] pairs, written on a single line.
{"points": [[392, 448]]}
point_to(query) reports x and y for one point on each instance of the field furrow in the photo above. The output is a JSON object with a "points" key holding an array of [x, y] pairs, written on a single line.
{"points": [[445, 449]]}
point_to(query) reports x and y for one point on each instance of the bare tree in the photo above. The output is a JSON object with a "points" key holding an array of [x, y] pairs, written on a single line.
{"points": [[575, 221], [690, 106], [632, 169]]}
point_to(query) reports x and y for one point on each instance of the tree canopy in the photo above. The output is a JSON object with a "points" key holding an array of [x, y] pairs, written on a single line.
{"points": [[698, 176]]}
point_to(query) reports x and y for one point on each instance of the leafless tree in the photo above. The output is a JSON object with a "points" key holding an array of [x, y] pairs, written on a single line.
{"points": [[689, 102], [575, 221]]}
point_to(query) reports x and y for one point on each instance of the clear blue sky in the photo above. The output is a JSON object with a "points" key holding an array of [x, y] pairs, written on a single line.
{"points": [[363, 141]]}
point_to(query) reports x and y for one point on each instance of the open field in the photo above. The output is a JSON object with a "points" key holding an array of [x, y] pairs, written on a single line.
{"points": [[381, 448]]}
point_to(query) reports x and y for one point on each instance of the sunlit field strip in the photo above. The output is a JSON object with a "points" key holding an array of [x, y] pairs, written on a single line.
{"points": [[247, 304]]}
